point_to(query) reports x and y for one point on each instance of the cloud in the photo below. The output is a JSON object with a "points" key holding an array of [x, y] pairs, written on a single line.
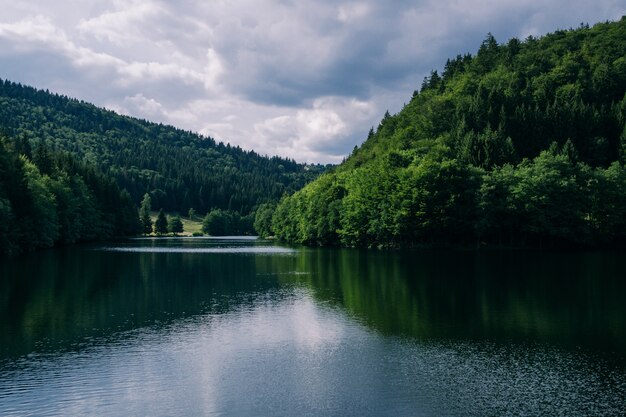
{"points": [[302, 79], [352, 12], [321, 128], [125, 25], [143, 105], [37, 28], [155, 71]]}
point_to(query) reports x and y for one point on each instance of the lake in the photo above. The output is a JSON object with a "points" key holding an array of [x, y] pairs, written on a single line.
{"points": [[248, 327]]}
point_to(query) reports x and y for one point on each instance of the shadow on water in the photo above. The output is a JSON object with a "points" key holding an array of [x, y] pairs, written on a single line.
{"points": [[53, 299], [245, 327]]}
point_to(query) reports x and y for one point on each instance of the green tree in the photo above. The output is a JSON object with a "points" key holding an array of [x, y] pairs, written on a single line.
{"points": [[74, 202], [68, 209], [471, 156], [217, 223], [144, 214], [551, 195], [41, 228], [607, 214], [6, 219], [176, 225], [263, 219], [180, 168], [128, 222], [160, 225], [42, 158]]}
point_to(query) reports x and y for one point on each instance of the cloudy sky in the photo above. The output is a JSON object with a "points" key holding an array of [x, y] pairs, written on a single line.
{"points": [[298, 78]]}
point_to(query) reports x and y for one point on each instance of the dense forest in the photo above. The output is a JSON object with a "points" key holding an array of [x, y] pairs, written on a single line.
{"points": [[179, 169], [521, 144], [49, 197]]}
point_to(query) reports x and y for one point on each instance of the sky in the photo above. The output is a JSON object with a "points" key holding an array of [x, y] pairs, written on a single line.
{"points": [[297, 78]]}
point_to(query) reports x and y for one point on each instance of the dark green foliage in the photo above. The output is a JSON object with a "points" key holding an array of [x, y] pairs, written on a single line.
{"points": [[263, 219], [217, 223], [160, 225], [175, 225], [66, 202], [518, 145], [220, 222], [127, 221], [144, 214], [6, 221], [73, 172], [179, 169]]}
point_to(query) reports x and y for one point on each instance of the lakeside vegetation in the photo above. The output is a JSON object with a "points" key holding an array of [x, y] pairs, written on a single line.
{"points": [[72, 172], [215, 223], [188, 226], [523, 143], [49, 198], [180, 170]]}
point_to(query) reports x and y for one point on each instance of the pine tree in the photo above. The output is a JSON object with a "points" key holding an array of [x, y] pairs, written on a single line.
{"points": [[144, 214], [160, 225]]}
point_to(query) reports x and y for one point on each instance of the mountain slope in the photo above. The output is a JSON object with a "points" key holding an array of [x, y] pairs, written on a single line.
{"points": [[49, 198], [180, 169], [521, 144]]}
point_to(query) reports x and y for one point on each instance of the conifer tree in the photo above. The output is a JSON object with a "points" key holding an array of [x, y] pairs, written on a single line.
{"points": [[144, 214], [160, 225]]}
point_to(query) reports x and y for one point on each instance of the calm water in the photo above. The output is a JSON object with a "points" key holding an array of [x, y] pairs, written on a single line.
{"points": [[242, 327]]}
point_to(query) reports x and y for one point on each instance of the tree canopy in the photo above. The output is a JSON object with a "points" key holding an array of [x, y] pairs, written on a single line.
{"points": [[521, 144], [49, 198], [175, 225], [178, 169], [144, 214], [227, 223], [160, 225]]}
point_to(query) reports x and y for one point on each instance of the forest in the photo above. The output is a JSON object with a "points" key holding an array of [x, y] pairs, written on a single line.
{"points": [[49, 198], [521, 144], [179, 169], [72, 172]]}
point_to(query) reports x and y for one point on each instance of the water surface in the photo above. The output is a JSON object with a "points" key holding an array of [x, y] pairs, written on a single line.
{"points": [[240, 326]]}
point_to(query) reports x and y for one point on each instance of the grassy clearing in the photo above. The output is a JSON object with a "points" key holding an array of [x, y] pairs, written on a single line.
{"points": [[193, 225], [190, 226]]}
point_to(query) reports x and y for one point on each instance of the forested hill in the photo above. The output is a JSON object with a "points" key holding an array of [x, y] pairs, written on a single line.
{"points": [[180, 169], [523, 143], [48, 198]]}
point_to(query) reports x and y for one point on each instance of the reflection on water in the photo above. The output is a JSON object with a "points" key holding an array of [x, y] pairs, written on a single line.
{"points": [[258, 329], [253, 249], [241, 244], [571, 299]]}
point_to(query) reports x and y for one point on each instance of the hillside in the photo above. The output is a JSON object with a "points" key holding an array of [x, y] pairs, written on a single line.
{"points": [[49, 198], [523, 143], [180, 169]]}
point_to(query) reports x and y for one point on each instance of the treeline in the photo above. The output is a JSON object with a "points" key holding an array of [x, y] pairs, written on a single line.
{"points": [[49, 198], [522, 144], [179, 169], [227, 223]]}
